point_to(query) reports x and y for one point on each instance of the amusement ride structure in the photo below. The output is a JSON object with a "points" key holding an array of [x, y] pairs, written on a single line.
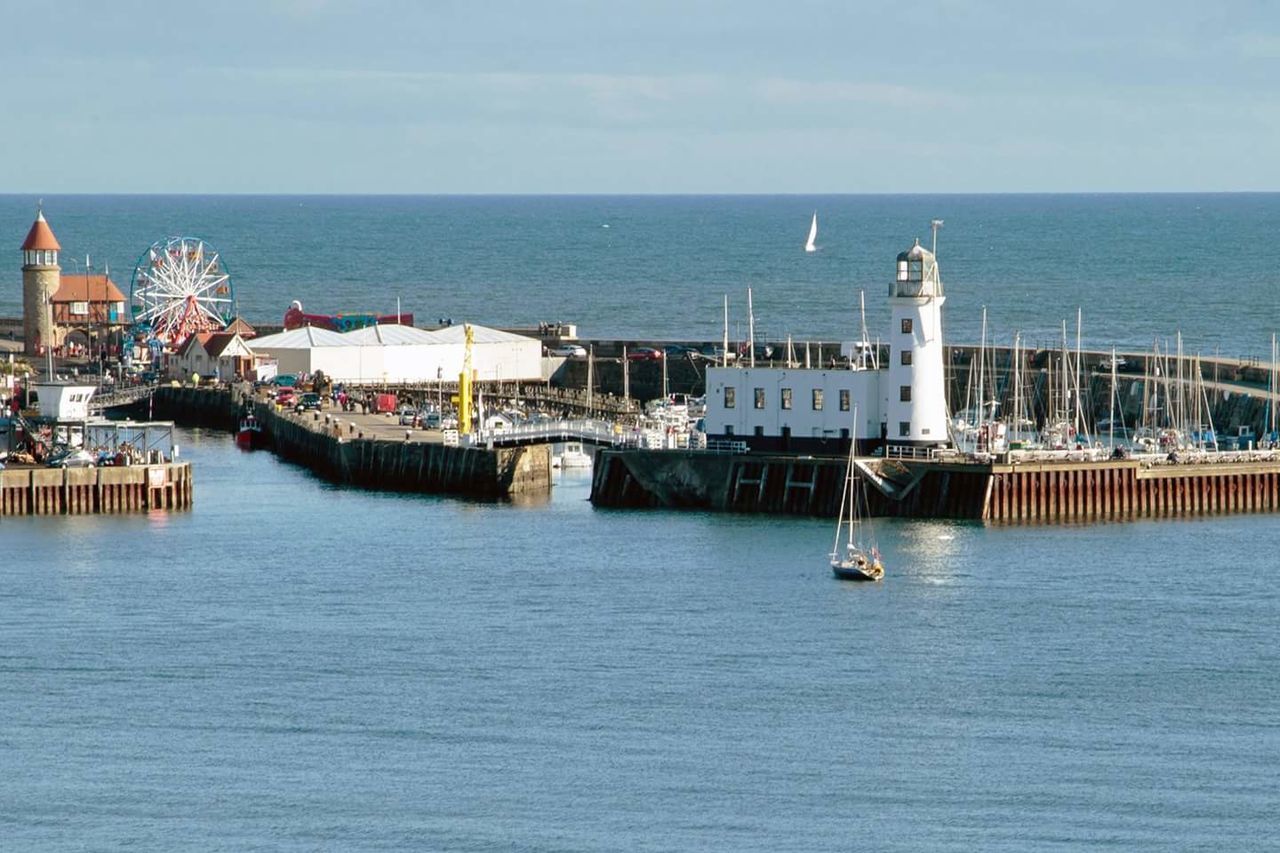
{"points": [[180, 287]]}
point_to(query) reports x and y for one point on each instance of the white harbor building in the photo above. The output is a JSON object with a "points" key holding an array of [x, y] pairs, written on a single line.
{"points": [[901, 403]]}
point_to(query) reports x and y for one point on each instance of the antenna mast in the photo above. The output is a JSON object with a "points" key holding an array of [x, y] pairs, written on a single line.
{"points": [[934, 225]]}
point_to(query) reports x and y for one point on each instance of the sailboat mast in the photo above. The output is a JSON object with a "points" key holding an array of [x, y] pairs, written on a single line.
{"points": [[982, 367], [1111, 417], [591, 369], [1017, 383], [1080, 425], [724, 352]]}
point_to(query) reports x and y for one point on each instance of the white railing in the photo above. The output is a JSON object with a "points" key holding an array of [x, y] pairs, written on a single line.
{"points": [[596, 432], [899, 451], [720, 445]]}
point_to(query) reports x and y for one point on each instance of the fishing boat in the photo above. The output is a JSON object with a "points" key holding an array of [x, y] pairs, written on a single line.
{"points": [[810, 245], [858, 559], [249, 435]]}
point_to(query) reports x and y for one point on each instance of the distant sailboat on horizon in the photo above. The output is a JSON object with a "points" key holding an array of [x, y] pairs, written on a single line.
{"points": [[810, 245]]}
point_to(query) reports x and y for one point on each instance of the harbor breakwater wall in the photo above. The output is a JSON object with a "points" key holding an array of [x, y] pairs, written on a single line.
{"points": [[85, 491], [349, 457], [780, 484], [1045, 492], [1236, 389]]}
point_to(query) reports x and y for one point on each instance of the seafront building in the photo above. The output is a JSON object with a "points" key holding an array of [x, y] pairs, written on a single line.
{"points": [[82, 311], [810, 410]]}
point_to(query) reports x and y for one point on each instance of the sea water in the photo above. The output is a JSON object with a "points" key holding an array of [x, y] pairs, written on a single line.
{"points": [[1140, 267], [296, 666]]}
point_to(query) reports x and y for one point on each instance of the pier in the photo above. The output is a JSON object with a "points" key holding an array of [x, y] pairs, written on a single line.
{"points": [[1060, 491], [85, 491], [370, 450]]}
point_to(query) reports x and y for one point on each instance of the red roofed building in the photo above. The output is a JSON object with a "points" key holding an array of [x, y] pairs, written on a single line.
{"points": [[91, 305], [76, 314]]}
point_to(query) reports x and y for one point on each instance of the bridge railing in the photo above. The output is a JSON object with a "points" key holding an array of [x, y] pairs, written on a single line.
{"points": [[596, 432], [121, 396]]}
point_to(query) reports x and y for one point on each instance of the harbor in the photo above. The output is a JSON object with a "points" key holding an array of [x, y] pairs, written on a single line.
{"points": [[1041, 433]]}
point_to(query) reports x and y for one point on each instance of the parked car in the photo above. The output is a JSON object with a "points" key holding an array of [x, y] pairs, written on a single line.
{"points": [[67, 457], [644, 354], [677, 350], [431, 420], [407, 415], [568, 351], [309, 401], [286, 397]]}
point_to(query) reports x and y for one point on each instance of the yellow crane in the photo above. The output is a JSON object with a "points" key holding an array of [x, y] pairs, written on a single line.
{"points": [[464, 383]]}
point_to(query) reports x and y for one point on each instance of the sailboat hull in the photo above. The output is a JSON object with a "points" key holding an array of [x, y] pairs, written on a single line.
{"points": [[851, 572]]}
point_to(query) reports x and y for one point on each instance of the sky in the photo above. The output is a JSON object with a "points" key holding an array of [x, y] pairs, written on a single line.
{"points": [[650, 96]]}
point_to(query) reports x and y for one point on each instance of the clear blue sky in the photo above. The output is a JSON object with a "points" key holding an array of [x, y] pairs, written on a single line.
{"points": [[737, 96]]}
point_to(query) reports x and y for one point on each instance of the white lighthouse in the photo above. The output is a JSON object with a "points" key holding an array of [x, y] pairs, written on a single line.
{"points": [[915, 404]]}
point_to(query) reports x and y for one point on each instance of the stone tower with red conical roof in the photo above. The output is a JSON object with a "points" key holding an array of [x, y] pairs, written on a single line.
{"points": [[41, 276]]}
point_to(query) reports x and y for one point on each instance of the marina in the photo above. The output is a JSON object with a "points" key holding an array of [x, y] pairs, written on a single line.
{"points": [[405, 607], [575, 428]]}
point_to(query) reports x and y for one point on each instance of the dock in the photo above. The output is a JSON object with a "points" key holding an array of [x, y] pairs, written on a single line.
{"points": [[999, 492], [370, 451], [86, 491]]}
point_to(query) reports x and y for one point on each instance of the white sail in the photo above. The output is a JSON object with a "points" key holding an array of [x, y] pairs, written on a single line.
{"points": [[809, 245]]}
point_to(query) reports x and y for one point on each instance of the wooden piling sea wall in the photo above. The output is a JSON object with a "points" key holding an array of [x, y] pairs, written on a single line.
{"points": [[85, 491], [1130, 489]]}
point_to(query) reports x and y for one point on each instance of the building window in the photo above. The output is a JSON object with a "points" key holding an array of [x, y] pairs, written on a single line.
{"points": [[730, 396], [904, 429], [759, 398], [728, 429], [906, 357], [759, 432], [786, 433], [786, 398], [844, 399], [904, 393], [906, 325], [844, 433], [817, 399]]}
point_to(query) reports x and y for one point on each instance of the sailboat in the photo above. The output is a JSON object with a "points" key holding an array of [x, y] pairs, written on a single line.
{"points": [[857, 560], [809, 245]]}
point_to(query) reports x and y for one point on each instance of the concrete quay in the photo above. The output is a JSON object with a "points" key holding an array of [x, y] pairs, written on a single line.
{"points": [[997, 492], [368, 450]]}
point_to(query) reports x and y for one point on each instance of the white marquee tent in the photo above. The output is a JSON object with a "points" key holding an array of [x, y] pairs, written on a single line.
{"points": [[403, 354]]}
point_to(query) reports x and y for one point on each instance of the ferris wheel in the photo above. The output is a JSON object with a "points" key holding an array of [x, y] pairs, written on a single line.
{"points": [[181, 287]]}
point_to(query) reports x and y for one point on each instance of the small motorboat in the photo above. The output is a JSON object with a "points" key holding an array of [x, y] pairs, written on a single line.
{"points": [[573, 456], [249, 435]]}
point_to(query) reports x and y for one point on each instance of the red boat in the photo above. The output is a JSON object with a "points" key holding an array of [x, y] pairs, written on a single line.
{"points": [[249, 435]]}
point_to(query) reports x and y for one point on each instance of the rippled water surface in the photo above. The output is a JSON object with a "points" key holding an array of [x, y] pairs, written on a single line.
{"points": [[1140, 266], [295, 666]]}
